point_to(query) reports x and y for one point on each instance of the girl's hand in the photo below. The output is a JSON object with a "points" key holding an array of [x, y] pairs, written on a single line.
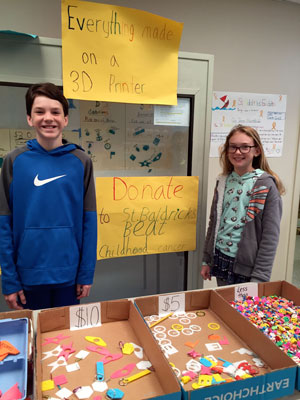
{"points": [[205, 272]]}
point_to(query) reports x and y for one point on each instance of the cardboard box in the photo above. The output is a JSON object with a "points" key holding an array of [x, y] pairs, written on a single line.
{"points": [[16, 328], [274, 381], [121, 322], [279, 288]]}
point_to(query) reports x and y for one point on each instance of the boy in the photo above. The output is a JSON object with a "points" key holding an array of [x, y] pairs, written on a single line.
{"points": [[48, 219]]}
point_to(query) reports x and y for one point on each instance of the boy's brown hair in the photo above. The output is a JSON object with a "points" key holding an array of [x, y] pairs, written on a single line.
{"points": [[48, 90]]}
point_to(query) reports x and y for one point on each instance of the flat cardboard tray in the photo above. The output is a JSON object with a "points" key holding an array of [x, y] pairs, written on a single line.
{"points": [[13, 368], [275, 379], [121, 322], [278, 288]]}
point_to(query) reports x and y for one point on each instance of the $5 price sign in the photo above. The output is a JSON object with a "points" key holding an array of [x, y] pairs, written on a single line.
{"points": [[171, 303], [85, 316]]}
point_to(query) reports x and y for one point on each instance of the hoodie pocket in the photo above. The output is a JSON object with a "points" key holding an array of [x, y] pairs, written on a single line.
{"points": [[48, 247]]}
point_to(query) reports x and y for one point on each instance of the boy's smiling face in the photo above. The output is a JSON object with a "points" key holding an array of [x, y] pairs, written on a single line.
{"points": [[48, 119]]}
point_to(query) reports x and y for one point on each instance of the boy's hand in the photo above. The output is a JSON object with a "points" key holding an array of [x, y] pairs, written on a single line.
{"points": [[12, 300], [205, 272], [83, 291]]}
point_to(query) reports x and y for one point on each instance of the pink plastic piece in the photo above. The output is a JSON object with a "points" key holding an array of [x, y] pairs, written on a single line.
{"points": [[193, 354], [60, 380], [191, 374], [111, 357], [66, 351], [205, 370], [54, 339], [123, 371], [224, 340], [98, 349]]}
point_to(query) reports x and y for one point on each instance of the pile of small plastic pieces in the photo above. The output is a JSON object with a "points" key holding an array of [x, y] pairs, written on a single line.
{"points": [[276, 317]]}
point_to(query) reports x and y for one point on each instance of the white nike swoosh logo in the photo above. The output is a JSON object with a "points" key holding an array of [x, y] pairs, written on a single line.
{"points": [[38, 182]]}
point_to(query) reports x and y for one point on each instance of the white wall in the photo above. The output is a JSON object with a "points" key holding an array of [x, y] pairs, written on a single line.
{"points": [[257, 49]]}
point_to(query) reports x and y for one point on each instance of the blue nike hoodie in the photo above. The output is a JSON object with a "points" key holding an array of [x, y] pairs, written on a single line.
{"points": [[48, 219]]}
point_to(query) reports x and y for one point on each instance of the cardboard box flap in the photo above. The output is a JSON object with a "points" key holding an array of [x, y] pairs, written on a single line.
{"points": [[255, 339], [283, 289], [165, 375], [115, 310], [272, 288], [197, 300], [54, 319], [147, 305]]}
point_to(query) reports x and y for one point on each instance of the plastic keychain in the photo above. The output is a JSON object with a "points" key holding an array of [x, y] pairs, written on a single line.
{"points": [[100, 371], [114, 394], [127, 348], [125, 381], [126, 370], [96, 340]]}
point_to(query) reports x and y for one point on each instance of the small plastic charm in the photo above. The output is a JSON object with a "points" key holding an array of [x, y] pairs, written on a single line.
{"points": [[114, 394], [138, 351], [126, 370], [125, 381], [47, 385], [214, 326], [55, 339], [60, 380], [99, 350], [144, 365], [64, 393], [99, 386], [191, 374], [177, 327], [100, 371], [111, 357], [83, 392], [81, 355], [60, 362], [52, 353], [242, 350], [67, 350], [193, 354], [200, 313], [185, 379], [127, 348], [96, 340]]}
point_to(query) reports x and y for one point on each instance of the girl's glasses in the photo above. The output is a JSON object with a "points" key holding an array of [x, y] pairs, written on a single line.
{"points": [[243, 149]]}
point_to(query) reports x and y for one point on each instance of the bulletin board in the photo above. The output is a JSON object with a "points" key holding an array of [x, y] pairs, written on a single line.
{"points": [[121, 139]]}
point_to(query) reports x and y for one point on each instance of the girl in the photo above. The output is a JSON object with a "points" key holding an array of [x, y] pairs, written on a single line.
{"points": [[244, 225]]}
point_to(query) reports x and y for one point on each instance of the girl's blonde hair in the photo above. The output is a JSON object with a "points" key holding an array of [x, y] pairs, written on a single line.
{"points": [[258, 162]]}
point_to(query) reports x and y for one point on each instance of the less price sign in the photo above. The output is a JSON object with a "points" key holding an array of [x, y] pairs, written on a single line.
{"points": [[249, 289], [173, 303], [85, 316]]}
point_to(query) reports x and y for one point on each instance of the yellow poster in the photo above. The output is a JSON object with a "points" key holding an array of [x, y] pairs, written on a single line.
{"points": [[146, 215], [112, 53]]}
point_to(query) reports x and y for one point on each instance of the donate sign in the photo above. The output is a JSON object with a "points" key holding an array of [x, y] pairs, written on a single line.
{"points": [[118, 54], [146, 215]]}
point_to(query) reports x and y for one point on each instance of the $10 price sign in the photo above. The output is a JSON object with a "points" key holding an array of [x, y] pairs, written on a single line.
{"points": [[171, 303], [85, 316]]}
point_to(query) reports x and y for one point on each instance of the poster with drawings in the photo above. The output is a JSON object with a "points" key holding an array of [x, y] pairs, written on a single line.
{"points": [[4, 144], [123, 137], [19, 137], [147, 145], [264, 112], [103, 133]]}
